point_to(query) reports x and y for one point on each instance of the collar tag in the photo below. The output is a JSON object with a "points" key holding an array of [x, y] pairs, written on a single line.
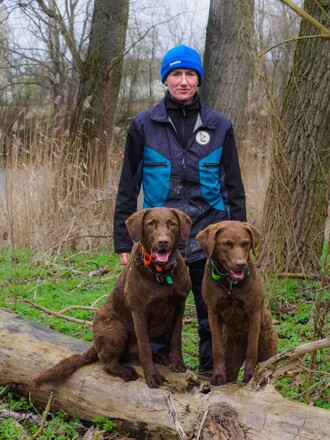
{"points": [[160, 278], [169, 280]]}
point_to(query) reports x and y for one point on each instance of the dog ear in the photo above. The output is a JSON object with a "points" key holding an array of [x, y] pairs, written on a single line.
{"points": [[206, 239], [185, 223], [134, 224], [254, 234]]}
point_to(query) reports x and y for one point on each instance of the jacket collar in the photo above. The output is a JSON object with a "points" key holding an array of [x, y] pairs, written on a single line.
{"points": [[159, 112], [172, 104]]}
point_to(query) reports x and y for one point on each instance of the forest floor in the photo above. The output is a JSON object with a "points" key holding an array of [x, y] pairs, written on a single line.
{"points": [[29, 279]]}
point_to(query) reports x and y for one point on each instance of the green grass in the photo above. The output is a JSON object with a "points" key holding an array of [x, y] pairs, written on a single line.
{"points": [[56, 284], [64, 280], [301, 314]]}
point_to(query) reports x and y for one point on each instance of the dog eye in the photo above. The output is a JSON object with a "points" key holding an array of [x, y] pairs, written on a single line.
{"points": [[172, 223], [228, 244]]}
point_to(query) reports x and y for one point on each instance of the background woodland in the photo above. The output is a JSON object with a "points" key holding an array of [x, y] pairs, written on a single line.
{"points": [[74, 72], [72, 75]]}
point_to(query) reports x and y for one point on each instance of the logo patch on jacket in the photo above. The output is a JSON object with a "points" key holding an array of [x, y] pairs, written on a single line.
{"points": [[202, 137]]}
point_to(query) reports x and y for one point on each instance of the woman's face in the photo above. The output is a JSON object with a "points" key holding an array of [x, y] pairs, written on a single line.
{"points": [[182, 84]]}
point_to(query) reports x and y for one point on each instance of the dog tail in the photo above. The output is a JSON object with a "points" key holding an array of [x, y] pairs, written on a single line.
{"points": [[59, 372]]}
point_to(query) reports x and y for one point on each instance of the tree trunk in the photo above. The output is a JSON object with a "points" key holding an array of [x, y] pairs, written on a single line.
{"points": [[58, 69], [186, 406], [94, 116], [297, 198], [228, 62]]}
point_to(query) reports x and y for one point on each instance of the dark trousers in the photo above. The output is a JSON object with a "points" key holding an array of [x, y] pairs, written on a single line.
{"points": [[161, 344]]}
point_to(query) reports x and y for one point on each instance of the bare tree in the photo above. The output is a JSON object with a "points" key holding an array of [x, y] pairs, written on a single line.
{"points": [[276, 27], [93, 119], [228, 61], [297, 198], [57, 58], [45, 51]]}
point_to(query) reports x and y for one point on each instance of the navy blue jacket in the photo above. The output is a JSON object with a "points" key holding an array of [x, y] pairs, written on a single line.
{"points": [[202, 178]]}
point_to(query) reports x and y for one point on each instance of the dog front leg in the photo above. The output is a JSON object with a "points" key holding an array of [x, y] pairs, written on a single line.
{"points": [[252, 346], [219, 366], [152, 376], [176, 358]]}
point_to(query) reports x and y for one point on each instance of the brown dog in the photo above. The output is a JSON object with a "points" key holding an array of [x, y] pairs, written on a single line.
{"points": [[147, 300], [241, 325]]}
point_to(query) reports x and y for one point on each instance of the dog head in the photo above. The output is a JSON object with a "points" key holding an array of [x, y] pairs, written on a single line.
{"points": [[159, 230], [229, 244]]}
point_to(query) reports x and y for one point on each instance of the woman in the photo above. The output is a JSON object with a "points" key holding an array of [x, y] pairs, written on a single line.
{"points": [[184, 156]]}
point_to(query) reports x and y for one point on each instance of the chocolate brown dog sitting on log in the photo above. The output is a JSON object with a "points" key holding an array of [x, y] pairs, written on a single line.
{"points": [[241, 325], [148, 299]]}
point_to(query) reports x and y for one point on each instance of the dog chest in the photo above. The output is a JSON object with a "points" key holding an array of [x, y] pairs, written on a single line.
{"points": [[231, 311]]}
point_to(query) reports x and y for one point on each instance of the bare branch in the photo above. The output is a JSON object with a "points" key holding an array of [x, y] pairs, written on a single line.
{"points": [[66, 34], [57, 314], [325, 32], [70, 308], [174, 416], [19, 416], [141, 37], [44, 417], [290, 40], [270, 371]]}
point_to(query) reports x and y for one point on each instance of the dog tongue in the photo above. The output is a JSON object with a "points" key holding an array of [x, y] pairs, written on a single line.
{"points": [[162, 257], [237, 275]]}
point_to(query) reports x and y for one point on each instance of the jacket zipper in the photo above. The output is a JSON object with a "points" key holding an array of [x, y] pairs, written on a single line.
{"points": [[211, 164], [154, 164]]}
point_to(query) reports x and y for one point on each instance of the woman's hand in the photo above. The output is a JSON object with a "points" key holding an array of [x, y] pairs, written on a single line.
{"points": [[123, 257]]}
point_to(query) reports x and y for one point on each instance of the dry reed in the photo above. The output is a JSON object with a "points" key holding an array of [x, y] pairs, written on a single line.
{"points": [[45, 203]]}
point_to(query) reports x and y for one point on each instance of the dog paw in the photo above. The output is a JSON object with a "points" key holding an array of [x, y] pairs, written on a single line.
{"points": [[218, 380], [155, 380], [247, 377], [178, 367], [248, 372], [161, 359], [128, 373]]}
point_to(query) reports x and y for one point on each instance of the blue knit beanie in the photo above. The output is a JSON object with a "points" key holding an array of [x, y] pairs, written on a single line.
{"points": [[182, 57]]}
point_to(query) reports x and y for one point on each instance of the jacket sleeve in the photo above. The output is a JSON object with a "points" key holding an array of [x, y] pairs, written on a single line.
{"points": [[233, 194], [128, 188]]}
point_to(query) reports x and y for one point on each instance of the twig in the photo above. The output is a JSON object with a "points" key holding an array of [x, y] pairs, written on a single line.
{"points": [[44, 416], [57, 314], [3, 391], [76, 237], [324, 31], [299, 276], [19, 416], [202, 424], [172, 411], [98, 300], [290, 40], [70, 308]]}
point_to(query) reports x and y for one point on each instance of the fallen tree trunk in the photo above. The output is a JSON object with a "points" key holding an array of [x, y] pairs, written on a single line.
{"points": [[186, 407]]}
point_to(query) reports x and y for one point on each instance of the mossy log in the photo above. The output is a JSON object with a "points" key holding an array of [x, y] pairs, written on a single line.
{"points": [[186, 407]]}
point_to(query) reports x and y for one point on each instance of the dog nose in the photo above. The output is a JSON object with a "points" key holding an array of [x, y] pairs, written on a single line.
{"points": [[163, 241], [241, 263]]}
